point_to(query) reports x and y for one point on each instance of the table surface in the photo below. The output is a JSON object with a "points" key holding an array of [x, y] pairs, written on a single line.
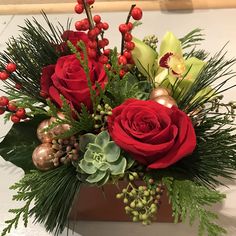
{"points": [[219, 26]]}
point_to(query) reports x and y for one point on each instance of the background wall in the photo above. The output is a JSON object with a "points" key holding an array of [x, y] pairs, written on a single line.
{"points": [[219, 26]]}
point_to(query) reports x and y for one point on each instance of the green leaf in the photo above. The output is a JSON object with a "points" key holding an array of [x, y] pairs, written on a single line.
{"points": [[111, 152], [118, 167], [85, 140], [102, 138], [94, 148], [94, 178], [88, 156], [87, 167], [20, 142]]}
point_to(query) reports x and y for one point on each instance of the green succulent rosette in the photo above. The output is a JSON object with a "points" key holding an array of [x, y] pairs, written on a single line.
{"points": [[102, 158]]}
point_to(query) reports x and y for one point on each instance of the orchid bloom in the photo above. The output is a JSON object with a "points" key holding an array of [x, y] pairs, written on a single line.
{"points": [[169, 66]]}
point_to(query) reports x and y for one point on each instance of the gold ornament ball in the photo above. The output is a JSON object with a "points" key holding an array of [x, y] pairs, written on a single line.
{"points": [[59, 129], [159, 91], [44, 136], [43, 157], [165, 100]]}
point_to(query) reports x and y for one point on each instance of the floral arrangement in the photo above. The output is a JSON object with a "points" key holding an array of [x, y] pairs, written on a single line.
{"points": [[86, 114]]}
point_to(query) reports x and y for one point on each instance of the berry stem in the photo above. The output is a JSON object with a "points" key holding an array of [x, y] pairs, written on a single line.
{"points": [[88, 14], [127, 21]]}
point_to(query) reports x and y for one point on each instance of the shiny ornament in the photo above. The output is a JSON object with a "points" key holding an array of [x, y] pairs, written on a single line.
{"points": [[165, 100], [159, 91], [43, 157], [44, 136], [59, 129]]}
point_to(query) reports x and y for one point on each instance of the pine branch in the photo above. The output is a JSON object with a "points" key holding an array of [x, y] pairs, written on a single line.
{"points": [[215, 154], [35, 48], [191, 39], [217, 72], [189, 200], [53, 193]]}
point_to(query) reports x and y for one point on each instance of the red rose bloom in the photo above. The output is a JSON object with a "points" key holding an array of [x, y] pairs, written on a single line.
{"points": [[155, 136], [74, 37], [68, 78]]}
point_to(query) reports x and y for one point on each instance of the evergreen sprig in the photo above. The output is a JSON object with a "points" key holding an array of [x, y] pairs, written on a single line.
{"points": [[190, 200], [52, 192], [191, 39], [79, 122], [35, 48], [215, 154]]}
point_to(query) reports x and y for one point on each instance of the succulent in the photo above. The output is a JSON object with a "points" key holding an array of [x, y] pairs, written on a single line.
{"points": [[101, 158]]}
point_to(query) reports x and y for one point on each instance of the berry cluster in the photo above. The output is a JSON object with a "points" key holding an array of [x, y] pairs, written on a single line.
{"points": [[101, 118], [142, 201], [96, 47], [10, 68], [65, 150], [18, 113], [95, 30]]}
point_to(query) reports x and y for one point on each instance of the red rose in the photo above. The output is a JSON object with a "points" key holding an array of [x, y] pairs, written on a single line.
{"points": [[155, 136], [68, 78], [74, 37]]}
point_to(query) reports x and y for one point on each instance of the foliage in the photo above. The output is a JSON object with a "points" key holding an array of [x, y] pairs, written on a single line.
{"points": [[190, 199], [52, 192], [101, 158], [19, 151], [34, 49], [79, 122]]}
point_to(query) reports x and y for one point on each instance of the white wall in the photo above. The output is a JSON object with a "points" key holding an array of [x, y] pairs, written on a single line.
{"points": [[219, 28]]}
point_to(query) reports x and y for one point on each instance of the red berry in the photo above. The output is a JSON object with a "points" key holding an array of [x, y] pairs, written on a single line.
{"points": [[92, 34], [90, 2], [20, 113], [85, 24], [106, 41], [99, 25], [123, 28], [127, 54], [15, 118], [97, 19], [122, 73], [2, 110], [78, 25], [92, 44], [80, 1], [107, 52], [103, 59], [108, 66], [97, 30], [3, 75], [129, 45], [18, 86], [11, 67], [11, 106], [92, 53], [105, 25], [130, 25], [79, 8], [4, 101], [137, 13], [101, 43], [128, 37], [122, 60]]}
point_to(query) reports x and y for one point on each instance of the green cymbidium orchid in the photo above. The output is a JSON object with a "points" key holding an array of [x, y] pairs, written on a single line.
{"points": [[173, 67], [169, 68]]}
